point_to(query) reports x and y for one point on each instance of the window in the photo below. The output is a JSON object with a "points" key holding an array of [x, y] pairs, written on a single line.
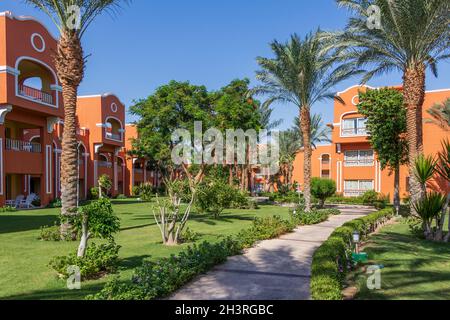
{"points": [[355, 188], [360, 158], [354, 127], [326, 174]]}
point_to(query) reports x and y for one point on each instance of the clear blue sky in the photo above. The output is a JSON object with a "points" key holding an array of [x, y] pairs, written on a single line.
{"points": [[207, 42]]}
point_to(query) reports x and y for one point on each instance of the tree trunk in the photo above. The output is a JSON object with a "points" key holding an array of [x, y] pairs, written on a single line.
{"points": [[414, 93], [397, 190], [306, 134], [84, 239], [69, 63]]}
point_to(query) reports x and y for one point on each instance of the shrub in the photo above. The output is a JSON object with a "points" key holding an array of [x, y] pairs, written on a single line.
{"points": [[56, 203], [8, 209], [332, 260], [322, 189], [145, 191], [121, 197], [50, 233], [98, 261], [316, 216], [370, 197], [105, 184], [189, 236], [93, 193]]}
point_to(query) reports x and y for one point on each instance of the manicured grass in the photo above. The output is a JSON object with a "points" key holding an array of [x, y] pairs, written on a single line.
{"points": [[24, 273], [414, 268]]}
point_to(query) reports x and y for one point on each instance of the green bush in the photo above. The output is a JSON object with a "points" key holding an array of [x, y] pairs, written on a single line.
{"points": [[158, 279], [8, 209], [93, 193], [370, 197], [145, 191], [98, 261], [121, 197], [56, 203], [332, 260], [316, 216], [50, 233], [322, 189]]}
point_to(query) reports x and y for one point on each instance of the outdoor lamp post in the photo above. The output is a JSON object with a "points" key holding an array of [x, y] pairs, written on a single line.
{"points": [[356, 239]]}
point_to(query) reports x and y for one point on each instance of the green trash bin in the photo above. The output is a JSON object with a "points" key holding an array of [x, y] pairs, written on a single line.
{"points": [[360, 257]]}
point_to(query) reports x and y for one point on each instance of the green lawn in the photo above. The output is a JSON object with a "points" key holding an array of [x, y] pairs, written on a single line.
{"points": [[414, 268], [23, 259]]}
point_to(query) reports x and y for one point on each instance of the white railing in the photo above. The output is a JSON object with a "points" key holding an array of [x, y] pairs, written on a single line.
{"points": [[114, 136], [23, 146], [105, 164], [35, 94], [359, 163], [354, 132]]}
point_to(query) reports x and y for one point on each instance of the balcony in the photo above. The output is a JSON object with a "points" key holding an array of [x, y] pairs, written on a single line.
{"points": [[35, 94], [354, 193], [354, 132], [113, 136], [139, 171], [23, 146], [359, 163]]}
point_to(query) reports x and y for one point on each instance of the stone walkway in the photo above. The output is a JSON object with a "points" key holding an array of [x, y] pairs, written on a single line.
{"points": [[274, 270]]}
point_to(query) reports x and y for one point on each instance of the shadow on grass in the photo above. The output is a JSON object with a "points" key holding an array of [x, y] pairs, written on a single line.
{"points": [[16, 223]]}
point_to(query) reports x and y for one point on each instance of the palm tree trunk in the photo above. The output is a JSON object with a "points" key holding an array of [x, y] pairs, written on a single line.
{"points": [[414, 94], [306, 134], [397, 190], [69, 63]]}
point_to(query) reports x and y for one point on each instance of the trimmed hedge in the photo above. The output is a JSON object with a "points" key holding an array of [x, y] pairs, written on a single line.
{"points": [[332, 260]]}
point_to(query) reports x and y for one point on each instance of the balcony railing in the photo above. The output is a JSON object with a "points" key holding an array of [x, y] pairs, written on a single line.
{"points": [[354, 193], [354, 132], [139, 171], [105, 164], [114, 136], [35, 94], [23, 146], [359, 163]]}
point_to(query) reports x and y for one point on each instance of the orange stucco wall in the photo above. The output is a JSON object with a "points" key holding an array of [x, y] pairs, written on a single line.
{"points": [[383, 181]]}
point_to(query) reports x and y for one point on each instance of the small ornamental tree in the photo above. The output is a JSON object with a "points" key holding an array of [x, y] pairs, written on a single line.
{"points": [[104, 184], [386, 122], [322, 189], [97, 220]]}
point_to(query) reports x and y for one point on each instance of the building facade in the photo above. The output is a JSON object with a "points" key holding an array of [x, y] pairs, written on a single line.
{"points": [[350, 160], [32, 123]]}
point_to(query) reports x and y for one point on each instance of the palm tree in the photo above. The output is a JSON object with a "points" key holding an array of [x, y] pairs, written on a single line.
{"points": [[289, 147], [301, 73], [320, 133], [441, 114], [72, 18], [265, 111], [413, 35]]}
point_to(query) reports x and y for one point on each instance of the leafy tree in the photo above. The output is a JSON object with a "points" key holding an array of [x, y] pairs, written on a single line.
{"points": [[176, 105], [70, 66], [234, 108], [323, 189], [413, 35], [97, 219], [302, 73], [441, 114], [386, 122], [104, 184]]}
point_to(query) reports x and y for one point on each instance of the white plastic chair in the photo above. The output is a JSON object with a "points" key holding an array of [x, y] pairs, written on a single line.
{"points": [[28, 202]]}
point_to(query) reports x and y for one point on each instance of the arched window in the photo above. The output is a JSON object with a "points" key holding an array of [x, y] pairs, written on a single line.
{"points": [[114, 129]]}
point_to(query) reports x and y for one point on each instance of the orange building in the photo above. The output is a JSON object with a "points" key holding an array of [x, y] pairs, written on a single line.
{"points": [[350, 159], [32, 123]]}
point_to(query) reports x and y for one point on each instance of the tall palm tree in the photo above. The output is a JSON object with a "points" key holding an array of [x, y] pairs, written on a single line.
{"points": [[301, 73], [413, 35], [441, 114], [72, 18], [320, 133]]}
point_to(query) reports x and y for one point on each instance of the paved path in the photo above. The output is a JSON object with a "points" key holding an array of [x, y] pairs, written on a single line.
{"points": [[274, 270]]}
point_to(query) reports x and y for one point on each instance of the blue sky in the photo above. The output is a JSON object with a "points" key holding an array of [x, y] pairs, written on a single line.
{"points": [[207, 42]]}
